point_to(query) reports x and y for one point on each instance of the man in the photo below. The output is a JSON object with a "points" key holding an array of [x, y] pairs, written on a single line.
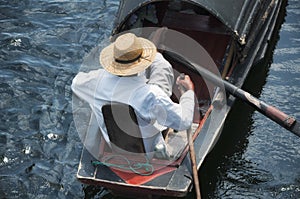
{"points": [[127, 62]]}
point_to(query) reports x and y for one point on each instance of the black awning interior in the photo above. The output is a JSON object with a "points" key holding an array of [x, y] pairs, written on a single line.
{"points": [[237, 16]]}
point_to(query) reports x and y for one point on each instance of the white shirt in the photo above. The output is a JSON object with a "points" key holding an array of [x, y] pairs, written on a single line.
{"points": [[151, 102]]}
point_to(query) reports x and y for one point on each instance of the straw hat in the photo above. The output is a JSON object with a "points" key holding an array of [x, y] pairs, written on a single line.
{"points": [[128, 55]]}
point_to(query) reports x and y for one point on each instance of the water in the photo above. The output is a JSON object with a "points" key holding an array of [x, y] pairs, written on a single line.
{"points": [[42, 46], [41, 49]]}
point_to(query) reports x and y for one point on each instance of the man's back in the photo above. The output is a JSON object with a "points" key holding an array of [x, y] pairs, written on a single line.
{"points": [[124, 81]]}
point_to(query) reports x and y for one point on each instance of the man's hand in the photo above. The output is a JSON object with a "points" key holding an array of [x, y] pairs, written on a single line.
{"points": [[184, 83]]}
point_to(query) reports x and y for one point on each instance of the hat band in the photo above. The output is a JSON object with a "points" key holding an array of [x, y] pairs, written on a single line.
{"points": [[128, 61]]}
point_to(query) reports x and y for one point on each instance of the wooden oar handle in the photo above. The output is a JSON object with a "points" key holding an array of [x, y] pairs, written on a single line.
{"points": [[182, 75], [278, 115], [270, 111], [193, 163], [181, 87]]}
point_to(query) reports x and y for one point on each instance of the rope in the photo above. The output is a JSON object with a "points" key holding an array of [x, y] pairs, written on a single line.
{"points": [[128, 165]]}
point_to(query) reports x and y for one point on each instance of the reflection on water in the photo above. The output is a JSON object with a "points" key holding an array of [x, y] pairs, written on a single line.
{"points": [[42, 46]]}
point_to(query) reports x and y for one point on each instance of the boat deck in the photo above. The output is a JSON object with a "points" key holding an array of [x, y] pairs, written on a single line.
{"points": [[161, 176]]}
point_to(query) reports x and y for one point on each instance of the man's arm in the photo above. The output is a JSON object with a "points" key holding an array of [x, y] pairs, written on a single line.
{"points": [[161, 74], [173, 115]]}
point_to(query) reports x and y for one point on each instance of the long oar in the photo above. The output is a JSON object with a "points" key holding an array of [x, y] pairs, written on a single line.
{"points": [[194, 164], [192, 155], [271, 112]]}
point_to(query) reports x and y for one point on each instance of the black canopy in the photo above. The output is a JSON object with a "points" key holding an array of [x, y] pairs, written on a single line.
{"points": [[237, 15]]}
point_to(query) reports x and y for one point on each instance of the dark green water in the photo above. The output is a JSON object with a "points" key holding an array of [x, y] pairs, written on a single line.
{"points": [[42, 46]]}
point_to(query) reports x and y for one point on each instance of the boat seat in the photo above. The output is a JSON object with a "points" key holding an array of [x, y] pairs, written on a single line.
{"points": [[122, 128]]}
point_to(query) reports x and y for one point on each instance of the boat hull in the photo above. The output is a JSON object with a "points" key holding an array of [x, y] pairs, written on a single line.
{"points": [[176, 179]]}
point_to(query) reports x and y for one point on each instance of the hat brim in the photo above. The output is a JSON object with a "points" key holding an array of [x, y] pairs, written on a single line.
{"points": [[108, 62]]}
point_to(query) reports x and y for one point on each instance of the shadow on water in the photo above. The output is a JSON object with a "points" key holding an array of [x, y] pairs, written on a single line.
{"points": [[226, 173]]}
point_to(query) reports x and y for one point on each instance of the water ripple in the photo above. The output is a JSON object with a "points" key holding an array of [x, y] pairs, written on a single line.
{"points": [[42, 45]]}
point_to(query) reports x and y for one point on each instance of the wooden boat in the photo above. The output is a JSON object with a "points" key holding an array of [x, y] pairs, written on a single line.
{"points": [[234, 35]]}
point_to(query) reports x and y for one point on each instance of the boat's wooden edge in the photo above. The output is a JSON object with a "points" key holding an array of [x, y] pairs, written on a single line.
{"points": [[87, 175], [257, 53], [201, 147]]}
